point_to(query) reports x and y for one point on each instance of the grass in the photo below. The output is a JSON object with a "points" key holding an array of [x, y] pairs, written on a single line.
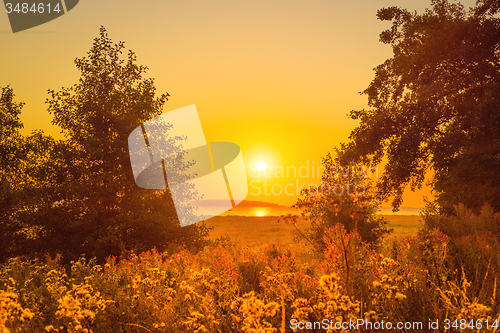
{"points": [[255, 231]]}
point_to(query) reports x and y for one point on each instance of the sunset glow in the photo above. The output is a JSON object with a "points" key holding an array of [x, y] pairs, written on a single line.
{"points": [[280, 89], [261, 165]]}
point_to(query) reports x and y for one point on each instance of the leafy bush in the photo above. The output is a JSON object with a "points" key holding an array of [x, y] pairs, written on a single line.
{"points": [[474, 245], [346, 197]]}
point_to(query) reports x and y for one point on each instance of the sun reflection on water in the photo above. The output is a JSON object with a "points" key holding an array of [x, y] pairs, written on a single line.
{"points": [[260, 211]]}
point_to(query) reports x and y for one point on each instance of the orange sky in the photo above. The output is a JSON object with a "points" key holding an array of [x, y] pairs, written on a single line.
{"points": [[276, 77]]}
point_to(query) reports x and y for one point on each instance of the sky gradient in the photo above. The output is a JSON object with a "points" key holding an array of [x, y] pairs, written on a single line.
{"points": [[278, 78]]}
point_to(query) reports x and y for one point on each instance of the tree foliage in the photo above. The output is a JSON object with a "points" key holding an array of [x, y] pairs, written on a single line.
{"points": [[345, 196], [80, 196], [10, 154], [435, 105]]}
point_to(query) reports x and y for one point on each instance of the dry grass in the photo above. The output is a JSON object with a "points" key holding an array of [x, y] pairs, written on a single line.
{"points": [[255, 231]]}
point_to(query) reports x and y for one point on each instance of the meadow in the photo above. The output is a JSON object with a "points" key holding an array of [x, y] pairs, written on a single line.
{"points": [[441, 277], [262, 230]]}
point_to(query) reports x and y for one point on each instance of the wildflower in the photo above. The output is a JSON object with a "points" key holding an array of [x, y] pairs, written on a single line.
{"points": [[370, 314], [399, 296]]}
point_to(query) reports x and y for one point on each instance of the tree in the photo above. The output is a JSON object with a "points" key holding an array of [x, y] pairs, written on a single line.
{"points": [[11, 151], [435, 105], [345, 196], [85, 197]]}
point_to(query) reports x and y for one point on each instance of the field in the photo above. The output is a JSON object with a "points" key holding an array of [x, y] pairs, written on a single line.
{"points": [[255, 231], [448, 273]]}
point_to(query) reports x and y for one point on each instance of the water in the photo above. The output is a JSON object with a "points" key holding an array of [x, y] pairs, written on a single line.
{"points": [[250, 211], [402, 211], [281, 210]]}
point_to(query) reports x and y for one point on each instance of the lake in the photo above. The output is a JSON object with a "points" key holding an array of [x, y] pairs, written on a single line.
{"points": [[282, 210]]}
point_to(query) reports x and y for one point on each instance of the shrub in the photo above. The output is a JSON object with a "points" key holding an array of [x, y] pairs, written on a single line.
{"points": [[354, 206], [474, 244]]}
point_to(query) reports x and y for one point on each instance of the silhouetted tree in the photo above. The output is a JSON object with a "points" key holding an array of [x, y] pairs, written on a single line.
{"points": [[11, 152], [435, 105], [82, 197]]}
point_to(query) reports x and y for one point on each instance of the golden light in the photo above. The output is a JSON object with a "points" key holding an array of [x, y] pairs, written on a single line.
{"points": [[259, 213], [261, 166]]}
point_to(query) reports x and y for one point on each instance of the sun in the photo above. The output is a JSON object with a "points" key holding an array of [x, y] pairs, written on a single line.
{"points": [[261, 166]]}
